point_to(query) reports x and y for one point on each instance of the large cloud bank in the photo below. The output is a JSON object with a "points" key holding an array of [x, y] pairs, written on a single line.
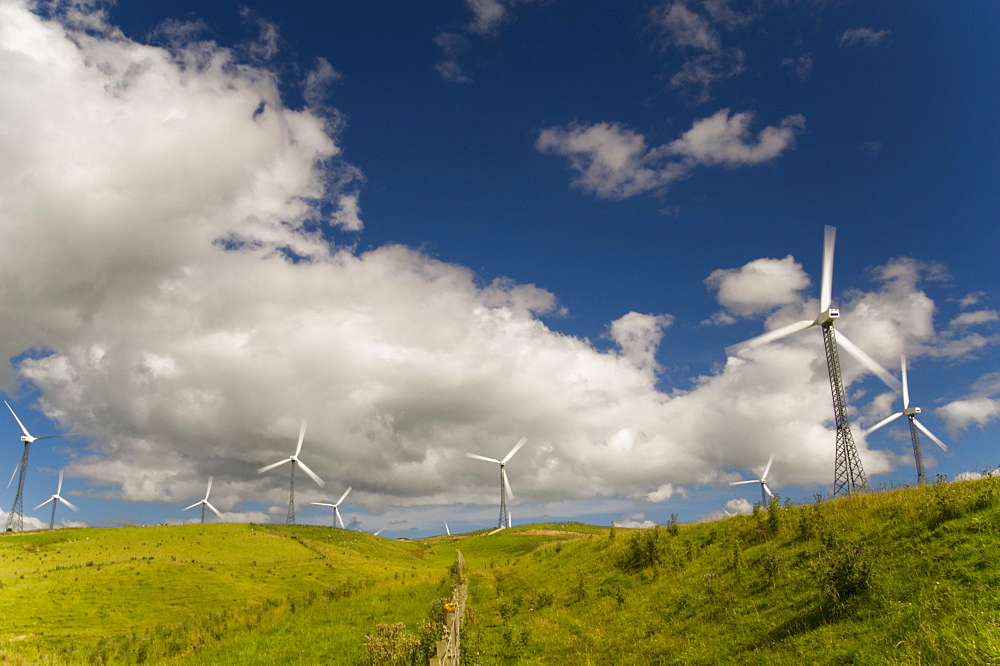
{"points": [[171, 289]]}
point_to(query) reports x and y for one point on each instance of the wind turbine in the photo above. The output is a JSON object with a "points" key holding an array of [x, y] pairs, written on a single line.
{"points": [[55, 499], [294, 459], [205, 503], [15, 519], [849, 475], [336, 510], [505, 491], [765, 492], [446, 530], [911, 413]]}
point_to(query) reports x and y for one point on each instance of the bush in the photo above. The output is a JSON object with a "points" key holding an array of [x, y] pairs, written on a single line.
{"points": [[390, 646], [844, 572]]}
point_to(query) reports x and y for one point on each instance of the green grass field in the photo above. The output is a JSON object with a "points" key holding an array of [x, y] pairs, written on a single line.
{"points": [[908, 576]]}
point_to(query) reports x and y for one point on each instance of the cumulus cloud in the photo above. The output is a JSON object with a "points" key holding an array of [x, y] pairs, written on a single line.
{"points": [[193, 309], [759, 286], [638, 336], [974, 318], [614, 162], [863, 37]]}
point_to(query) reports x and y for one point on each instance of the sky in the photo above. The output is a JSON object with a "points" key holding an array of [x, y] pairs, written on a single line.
{"points": [[432, 229]]}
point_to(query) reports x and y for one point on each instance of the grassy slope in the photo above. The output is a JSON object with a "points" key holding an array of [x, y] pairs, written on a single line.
{"points": [[917, 571]]}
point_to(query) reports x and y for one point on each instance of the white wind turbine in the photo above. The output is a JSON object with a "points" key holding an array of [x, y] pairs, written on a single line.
{"points": [[205, 503], [849, 475], [911, 414], [55, 499], [294, 459], [505, 491], [765, 492], [15, 519], [446, 530], [336, 510]]}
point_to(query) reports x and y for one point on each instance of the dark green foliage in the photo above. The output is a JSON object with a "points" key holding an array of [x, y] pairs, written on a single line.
{"points": [[642, 550], [844, 571]]}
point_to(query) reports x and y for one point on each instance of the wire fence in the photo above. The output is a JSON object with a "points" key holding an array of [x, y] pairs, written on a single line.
{"points": [[449, 647]]}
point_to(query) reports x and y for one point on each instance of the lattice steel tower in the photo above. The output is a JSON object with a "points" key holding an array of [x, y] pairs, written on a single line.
{"points": [[848, 475]]}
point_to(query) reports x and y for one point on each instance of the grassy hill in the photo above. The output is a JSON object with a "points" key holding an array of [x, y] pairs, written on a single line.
{"points": [[907, 576]]}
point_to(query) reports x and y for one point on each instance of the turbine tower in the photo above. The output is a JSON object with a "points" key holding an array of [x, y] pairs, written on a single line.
{"points": [[15, 519], [849, 475], [55, 499], [337, 520], [505, 491], [765, 492], [294, 459], [205, 503], [911, 414]]}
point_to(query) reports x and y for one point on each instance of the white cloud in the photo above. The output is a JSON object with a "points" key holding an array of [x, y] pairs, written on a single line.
{"points": [[615, 163], [638, 336], [683, 28], [665, 492], [960, 414], [193, 310], [759, 286], [741, 506], [487, 15], [636, 521], [974, 318], [802, 65], [863, 37]]}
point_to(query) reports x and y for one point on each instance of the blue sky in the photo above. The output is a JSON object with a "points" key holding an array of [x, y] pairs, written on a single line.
{"points": [[434, 228]]}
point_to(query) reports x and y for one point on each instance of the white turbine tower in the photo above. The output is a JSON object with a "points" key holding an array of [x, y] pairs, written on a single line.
{"points": [[294, 459], [911, 414], [765, 492], [505, 491], [849, 475], [15, 519], [336, 510], [55, 499], [205, 503]]}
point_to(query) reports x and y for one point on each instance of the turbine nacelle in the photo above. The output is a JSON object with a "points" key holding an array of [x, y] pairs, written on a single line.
{"points": [[911, 411], [827, 317]]}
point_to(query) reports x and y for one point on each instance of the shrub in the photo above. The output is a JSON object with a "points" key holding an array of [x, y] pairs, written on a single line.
{"points": [[390, 645], [844, 572]]}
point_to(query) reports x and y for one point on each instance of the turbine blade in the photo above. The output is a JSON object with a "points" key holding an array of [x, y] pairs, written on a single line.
{"points": [[44, 503], [767, 490], [214, 510], [209, 489], [341, 500], [826, 284], [312, 475], [38, 439], [475, 457], [883, 422], [447, 531], [322, 504], [506, 483], [192, 506], [69, 504], [340, 521], [931, 435], [59, 487], [770, 336], [272, 465], [23, 429], [16, 467], [767, 468], [517, 447], [742, 483], [302, 436], [870, 363], [379, 532], [906, 389]]}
